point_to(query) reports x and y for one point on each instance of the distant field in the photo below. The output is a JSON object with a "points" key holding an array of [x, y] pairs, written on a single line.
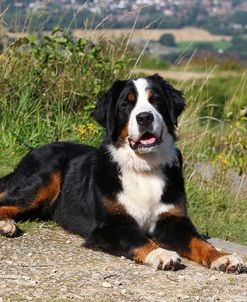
{"points": [[173, 74], [181, 35], [217, 44], [184, 35]]}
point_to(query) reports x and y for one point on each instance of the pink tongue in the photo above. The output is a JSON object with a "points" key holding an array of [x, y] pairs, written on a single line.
{"points": [[148, 141]]}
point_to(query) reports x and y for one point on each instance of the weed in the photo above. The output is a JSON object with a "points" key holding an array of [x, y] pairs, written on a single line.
{"points": [[49, 86]]}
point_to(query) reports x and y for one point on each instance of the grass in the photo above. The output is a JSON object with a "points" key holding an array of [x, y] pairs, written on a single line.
{"points": [[191, 46], [28, 226], [48, 88], [216, 212]]}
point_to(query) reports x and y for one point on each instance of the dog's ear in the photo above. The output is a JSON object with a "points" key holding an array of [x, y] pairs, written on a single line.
{"points": [[105, 110], [174, 97]]}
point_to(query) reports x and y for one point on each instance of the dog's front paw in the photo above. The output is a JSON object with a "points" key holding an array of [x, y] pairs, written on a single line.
{"points": [[228, 263], [8, 228], [163, 259]]}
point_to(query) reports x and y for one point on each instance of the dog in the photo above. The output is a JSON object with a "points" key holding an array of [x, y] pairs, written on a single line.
{"points": [[126, 198]]}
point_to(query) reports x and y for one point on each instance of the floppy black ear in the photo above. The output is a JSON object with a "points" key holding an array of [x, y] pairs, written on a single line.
{"points": [[174, 97], [104, 112]]}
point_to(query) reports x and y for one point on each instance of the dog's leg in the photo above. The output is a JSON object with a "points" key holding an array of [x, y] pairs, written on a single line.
{"points": [[179, 233], [19, 199], [8, 210], [122, 236]]}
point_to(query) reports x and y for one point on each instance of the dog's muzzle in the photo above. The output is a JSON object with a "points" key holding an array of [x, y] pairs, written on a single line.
{"points": [[148, 142]]}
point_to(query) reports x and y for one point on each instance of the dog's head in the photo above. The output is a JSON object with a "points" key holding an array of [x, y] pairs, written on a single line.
{"points": [[140, 112]]}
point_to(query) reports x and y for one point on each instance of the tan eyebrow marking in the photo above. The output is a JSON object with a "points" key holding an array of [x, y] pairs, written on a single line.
{"points": [[150, 93], [131, 97]]}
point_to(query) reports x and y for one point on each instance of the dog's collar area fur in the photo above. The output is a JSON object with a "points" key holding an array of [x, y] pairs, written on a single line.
{"points": [[127, 158]]}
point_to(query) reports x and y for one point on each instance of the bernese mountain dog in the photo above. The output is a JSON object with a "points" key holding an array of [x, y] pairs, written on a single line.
{"points": [[126, 198]]}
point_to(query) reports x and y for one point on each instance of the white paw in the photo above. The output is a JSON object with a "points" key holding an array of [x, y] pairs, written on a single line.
{"points": [[228, 263], [163, 259], [8, 227]]}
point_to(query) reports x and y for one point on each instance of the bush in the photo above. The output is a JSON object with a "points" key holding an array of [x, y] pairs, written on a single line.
{"points": [[167, 40], [49, 86], [231, 147]]}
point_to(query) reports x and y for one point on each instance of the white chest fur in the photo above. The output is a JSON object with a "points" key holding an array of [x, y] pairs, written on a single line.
{"points": [[141, 197]]}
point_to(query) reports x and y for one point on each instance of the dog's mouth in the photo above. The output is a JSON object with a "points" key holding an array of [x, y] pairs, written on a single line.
{"points": [[148, 142]]}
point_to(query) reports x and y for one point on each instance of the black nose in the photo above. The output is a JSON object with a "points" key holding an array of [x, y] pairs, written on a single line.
{"points": [[144, 118]]}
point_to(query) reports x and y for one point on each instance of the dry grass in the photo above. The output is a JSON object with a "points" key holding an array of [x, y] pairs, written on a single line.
{"points": [[183, 34], [174, 75]]}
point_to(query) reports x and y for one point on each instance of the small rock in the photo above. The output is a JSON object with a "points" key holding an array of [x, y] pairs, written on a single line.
{"points": [[206, 170], [118, 283], [33, 283], [238, 183], [181, 278], [106, 284], [213, 278]]}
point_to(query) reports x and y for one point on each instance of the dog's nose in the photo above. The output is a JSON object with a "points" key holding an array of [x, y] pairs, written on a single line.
{"points": [[144, 118]]}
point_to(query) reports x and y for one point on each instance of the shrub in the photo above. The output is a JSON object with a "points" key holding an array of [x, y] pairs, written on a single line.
{"points": [[167, 40], [231, 147], [48, 87]]}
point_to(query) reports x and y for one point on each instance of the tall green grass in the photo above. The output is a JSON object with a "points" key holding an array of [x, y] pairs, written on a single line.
{"points": [[213, 131], [49, 85]]}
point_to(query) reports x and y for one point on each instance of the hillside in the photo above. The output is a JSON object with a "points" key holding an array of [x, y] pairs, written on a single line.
{"points": [[138, 35]]}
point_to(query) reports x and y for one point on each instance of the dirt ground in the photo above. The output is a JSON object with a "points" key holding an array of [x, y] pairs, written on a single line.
{"points": [[51, 265]]}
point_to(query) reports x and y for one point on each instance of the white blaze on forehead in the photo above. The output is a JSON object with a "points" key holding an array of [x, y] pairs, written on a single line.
{"points": [[142, 96], [141, 87]]}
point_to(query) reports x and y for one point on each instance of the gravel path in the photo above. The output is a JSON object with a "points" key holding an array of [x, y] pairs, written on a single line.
{"points": [[51, 265]]}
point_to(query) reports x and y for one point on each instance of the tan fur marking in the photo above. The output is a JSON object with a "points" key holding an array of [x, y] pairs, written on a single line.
{"points": [[123, 134], [179, 211], [9, 212], [131, 97], [48, 192], [113, 207], [202, 252], [2, 195], [141, 253], [150, 93]]}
